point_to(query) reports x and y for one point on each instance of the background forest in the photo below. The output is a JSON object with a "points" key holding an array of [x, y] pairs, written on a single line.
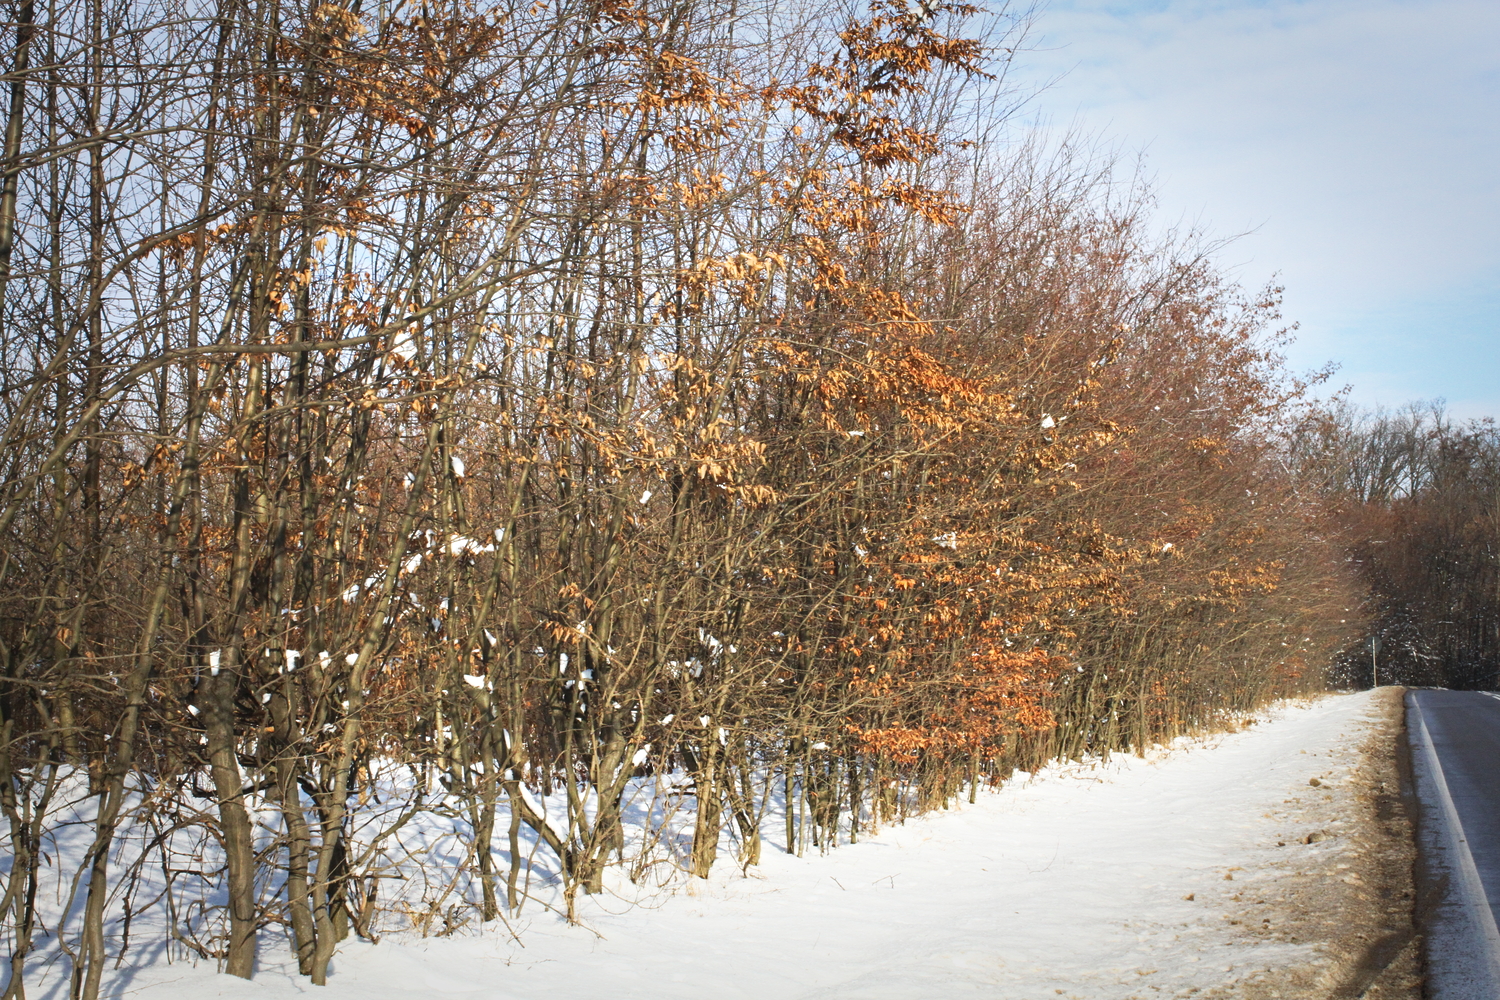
{"points": [[611, 435], [1419, 497]]}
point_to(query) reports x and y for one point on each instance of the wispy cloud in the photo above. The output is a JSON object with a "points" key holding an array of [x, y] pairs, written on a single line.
{"points": [[1356, 138]]}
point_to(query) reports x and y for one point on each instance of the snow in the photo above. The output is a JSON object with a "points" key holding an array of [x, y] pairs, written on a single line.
{"points": [[1106, 880], [354, 588], [404, 346], [459, 544]]}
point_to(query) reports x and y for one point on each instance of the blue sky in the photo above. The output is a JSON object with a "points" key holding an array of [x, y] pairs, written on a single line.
{"points": [[1355, 143]]}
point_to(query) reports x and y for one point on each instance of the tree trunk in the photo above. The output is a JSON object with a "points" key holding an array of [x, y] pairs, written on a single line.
{"points": [[218, 694]]}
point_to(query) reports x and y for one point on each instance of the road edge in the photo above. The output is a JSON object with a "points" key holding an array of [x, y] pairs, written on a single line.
{"points": [[1442, 854]]}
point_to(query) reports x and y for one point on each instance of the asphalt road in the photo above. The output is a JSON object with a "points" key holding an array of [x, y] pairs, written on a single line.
{"points": [[1455, 742]]}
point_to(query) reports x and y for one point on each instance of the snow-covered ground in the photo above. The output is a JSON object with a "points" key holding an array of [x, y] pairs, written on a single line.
{"points": [[1102, 880]]}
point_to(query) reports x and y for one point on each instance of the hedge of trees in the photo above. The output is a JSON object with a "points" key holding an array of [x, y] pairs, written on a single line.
{"points": [[543, 398]]}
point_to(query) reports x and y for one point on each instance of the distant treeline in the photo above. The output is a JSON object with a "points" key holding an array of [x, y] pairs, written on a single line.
{"points": [[1419, 494], [547, 397]]}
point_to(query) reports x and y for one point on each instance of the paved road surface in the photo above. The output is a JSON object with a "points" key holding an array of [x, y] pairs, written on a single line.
{"points": [[1455, 741]]}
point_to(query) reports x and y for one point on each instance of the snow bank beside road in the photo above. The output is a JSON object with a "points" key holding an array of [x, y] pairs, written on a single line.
{"points": [[1106, 881]]}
